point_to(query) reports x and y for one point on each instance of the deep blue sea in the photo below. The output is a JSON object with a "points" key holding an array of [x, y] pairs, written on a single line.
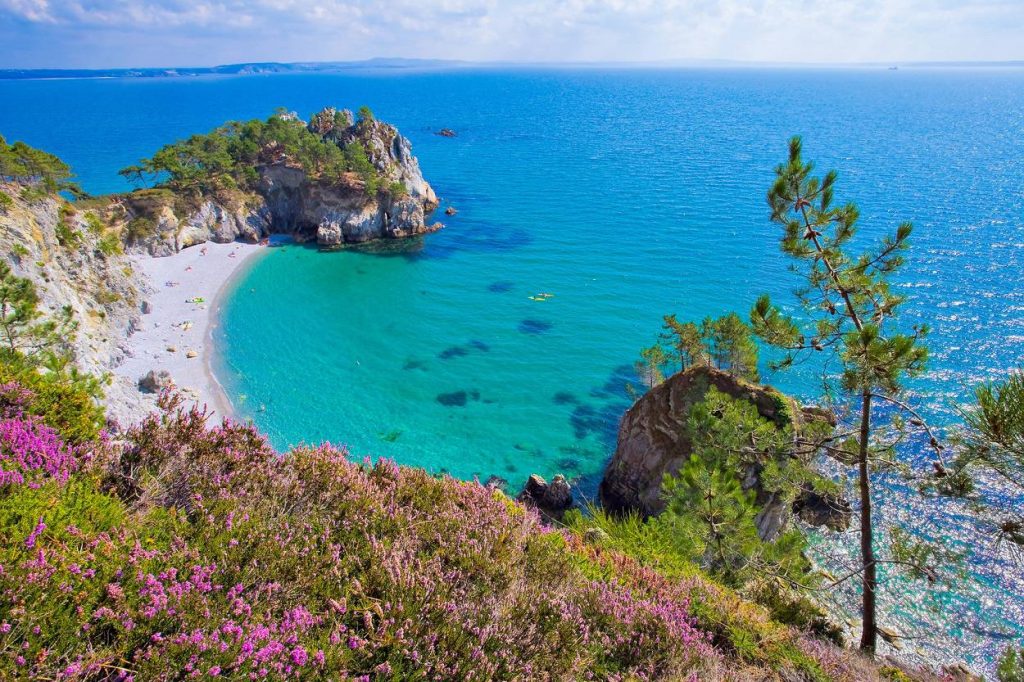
{"points": [[627, 194]]}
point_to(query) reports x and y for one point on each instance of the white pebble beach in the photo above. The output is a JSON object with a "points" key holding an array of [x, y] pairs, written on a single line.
{"points": [[185, 294]]}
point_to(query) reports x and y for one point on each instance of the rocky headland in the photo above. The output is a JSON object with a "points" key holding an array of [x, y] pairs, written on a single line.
{"points": [[653, 442], [287, 189]]}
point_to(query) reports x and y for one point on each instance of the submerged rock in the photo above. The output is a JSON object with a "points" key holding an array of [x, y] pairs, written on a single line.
{"points": [[495, 481]]}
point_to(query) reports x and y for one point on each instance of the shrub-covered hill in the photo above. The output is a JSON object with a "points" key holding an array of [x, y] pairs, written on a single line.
{"points": [[183, 550]]}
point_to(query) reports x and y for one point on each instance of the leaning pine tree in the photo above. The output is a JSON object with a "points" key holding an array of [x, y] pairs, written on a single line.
{"points": [[852, 315]]}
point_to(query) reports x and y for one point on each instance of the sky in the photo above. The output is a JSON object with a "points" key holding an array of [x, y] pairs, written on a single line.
{"points": [[157, 33]]}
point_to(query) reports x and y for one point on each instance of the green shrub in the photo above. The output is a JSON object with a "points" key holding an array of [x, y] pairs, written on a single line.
{"points": [[109, 244], [225, 159], [1011, 665], [6, 201], [94, 223], [65, 400], [141, 228], [398, 190]]}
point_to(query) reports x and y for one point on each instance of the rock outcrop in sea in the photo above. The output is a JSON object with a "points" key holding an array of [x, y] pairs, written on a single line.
{"points": [[551, 500], [287, 199], [653, 442]]}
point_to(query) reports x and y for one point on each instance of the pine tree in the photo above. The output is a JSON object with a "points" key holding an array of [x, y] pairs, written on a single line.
{"points": [[651, 366], [726, 343], [23, 330], [685, 339], [714, 517], [852, 316]]}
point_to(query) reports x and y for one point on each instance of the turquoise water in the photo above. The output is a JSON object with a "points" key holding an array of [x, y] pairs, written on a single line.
{"points": [[627, 195]]}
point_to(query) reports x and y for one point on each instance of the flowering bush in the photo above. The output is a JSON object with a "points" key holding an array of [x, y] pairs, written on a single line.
{"points": [[185, 551]]}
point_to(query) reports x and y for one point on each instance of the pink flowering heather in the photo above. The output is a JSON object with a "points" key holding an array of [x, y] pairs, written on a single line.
{"points": [[203, 554], [31, 451]]}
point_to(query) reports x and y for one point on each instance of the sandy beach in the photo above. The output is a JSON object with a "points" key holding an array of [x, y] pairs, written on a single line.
{"points": [[175, 333]]}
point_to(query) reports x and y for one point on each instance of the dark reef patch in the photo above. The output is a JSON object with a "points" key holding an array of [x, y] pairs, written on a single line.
{"points": [[501, 287], [602, 422], [568, 464], [413, 363], [479, 345], [456, 399], [565, 398], [453, 352], [535, 326]]}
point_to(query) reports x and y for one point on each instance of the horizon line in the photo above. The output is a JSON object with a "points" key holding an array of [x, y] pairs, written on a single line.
{"points": [[264, 67]]}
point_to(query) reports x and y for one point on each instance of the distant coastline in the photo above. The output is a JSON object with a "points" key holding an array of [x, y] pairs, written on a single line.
{"points": [[400, 64]]}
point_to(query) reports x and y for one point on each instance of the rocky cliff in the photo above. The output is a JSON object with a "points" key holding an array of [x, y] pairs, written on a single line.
{"points": [[390, 201], [76, 261], [653, 442]]}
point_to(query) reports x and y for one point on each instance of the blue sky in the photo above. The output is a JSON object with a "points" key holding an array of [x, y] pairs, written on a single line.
{"points": [[112, 33]]}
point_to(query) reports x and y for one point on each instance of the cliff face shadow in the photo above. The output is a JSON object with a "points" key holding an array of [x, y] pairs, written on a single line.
{"points": [[387, 248]]}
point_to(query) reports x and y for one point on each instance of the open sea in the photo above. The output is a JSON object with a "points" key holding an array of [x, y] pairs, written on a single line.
{"points": [[627, 194]]}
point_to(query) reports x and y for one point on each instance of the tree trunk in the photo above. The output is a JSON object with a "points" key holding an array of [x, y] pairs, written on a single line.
{"points": [[869, 632]]}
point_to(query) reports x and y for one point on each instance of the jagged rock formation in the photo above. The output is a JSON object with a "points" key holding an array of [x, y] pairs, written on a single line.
{"points": [[552, 500], [287, 199], [653, 442], [87, 272]]}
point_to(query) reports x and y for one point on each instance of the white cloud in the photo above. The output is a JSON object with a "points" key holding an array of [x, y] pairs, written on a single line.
{"points": [[526, 30]]}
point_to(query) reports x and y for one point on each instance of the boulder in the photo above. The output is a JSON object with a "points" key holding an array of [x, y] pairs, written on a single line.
{"points": [[818, 509], [552, 500], [495, 481], [155, 381], [329, 235]]}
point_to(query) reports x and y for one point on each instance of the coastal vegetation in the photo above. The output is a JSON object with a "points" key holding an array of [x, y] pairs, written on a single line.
{"points": [[180, 547], [227, 158], [38, 172]]}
